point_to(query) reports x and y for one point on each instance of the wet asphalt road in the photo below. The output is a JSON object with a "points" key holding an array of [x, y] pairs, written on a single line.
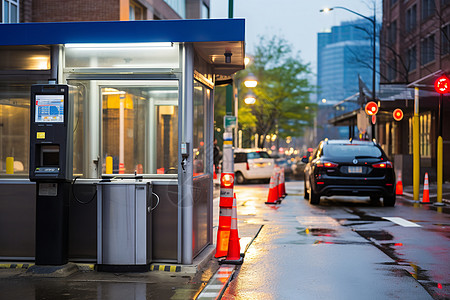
{"points": [[341, 249]]}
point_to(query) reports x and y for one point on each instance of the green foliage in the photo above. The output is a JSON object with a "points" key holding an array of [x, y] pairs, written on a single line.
{"points": [[282, 92]]}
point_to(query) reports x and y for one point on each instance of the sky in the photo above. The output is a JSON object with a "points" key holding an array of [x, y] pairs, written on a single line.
{"points": [[297, 21]]}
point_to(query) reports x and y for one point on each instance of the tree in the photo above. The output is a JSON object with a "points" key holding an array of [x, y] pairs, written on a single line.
{"points": [[282, 106]]}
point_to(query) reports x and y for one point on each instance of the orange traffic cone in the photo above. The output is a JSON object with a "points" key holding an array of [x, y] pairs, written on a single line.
{"points": [[426, 190], [226, 205], [399, 185], [283, 186], [234, 247], [279, 187], [272, 198]]}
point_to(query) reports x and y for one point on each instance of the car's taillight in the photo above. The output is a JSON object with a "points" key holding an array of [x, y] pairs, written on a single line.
{"points": [[248, 168], [327, 164], [383, 165]]}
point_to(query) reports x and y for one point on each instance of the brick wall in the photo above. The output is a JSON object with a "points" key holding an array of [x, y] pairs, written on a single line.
{"points": [[80, 10]]}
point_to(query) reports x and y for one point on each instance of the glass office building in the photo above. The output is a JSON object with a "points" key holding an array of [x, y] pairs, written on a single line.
{"points": [[343, 53]]}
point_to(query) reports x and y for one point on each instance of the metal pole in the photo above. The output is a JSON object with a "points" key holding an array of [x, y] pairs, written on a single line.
{"points": [[374, 65], [416, 147]]}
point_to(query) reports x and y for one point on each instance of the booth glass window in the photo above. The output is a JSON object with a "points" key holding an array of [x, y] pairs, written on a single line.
{"points": [[200, 146], [14, 127], [136, 119]]}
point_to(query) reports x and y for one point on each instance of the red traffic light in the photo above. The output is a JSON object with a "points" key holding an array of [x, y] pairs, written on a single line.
{"points": [[371, 108], [442, 85], [398, 114]]}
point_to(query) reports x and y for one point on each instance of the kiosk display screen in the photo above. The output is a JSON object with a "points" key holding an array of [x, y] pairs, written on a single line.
{"points": [[49, 109]]}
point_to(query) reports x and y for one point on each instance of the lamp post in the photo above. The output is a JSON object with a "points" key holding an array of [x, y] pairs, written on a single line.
{"points": [[374, 40]]}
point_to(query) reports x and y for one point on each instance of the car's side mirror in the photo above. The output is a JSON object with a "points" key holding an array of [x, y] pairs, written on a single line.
{"points": [[305, 159]]}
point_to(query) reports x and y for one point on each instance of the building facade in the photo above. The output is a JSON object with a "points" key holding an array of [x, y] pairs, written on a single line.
{"points": [[24, 11], [415, 51], [342, 56]]}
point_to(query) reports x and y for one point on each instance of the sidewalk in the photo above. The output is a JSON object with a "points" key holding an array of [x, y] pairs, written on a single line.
{"points": [[408, 192]]}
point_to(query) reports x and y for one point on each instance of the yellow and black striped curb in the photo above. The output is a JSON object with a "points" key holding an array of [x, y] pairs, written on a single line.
{"points": [[15, 266], [166, 268]]}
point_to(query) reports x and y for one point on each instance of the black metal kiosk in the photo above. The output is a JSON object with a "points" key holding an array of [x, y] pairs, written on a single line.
{"points": [[51, 169]]}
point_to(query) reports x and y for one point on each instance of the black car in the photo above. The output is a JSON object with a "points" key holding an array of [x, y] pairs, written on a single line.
{"points": [[349, 168]]}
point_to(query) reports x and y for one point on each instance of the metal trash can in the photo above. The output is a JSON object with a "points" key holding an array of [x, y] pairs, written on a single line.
{"points": [[124, 233]]}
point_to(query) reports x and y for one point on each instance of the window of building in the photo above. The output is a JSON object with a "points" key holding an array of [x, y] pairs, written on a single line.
{"points": [[445, 39], [179, 6], [10, 9], [136, 11], [392, 69], [428, 8], [427, 50], [202, 96], [424, 134], [412, 58], [15, 127], [425, 129], [411, 18], [205, 11], [392, 33], [393, 2]]}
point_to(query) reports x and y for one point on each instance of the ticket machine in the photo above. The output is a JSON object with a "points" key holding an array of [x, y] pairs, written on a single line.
{"points": [[51, 168]]}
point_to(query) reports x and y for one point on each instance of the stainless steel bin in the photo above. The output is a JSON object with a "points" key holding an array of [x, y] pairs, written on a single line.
{"points": [[124, 240]]}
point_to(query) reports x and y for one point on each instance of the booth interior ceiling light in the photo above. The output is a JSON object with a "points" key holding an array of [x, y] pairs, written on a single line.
{"points": [[119, 45]]}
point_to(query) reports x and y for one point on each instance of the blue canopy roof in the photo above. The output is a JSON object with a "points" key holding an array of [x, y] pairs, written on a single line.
{"points": [[211, 36]]}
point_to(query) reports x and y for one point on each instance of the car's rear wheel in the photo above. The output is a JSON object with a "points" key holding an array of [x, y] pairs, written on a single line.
{"points": [[389, 200], [306, 194], [314, 198], [240, 179]]}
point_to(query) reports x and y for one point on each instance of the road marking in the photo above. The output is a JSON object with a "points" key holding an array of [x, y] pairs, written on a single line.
{"points": [[401, 222], [218, 283]]}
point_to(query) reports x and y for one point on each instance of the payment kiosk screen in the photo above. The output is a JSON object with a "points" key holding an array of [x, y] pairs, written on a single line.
{"points": [[49, 109]]}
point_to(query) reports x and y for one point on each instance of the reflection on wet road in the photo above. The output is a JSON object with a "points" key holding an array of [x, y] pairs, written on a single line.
{"points": [[342, 249]]}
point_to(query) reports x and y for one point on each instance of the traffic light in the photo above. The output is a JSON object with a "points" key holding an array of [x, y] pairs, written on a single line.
{"points": [[398, 114], [371, 108], [442, 85]]}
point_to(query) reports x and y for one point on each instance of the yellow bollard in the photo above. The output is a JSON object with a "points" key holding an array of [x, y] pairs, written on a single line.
{"points": [[440, 164], [109, 165], [10, 165], [416, 147]]}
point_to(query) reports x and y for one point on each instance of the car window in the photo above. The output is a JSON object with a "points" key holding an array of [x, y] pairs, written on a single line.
{"points": [[240, 157], [351, 150], [259, 154]]}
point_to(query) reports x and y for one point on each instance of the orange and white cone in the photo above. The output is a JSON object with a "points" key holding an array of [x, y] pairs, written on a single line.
{"points": [[426, 190], [399, 185], [283, 186], [272, 198], [234, 247], [226, 205], [279, 187]]}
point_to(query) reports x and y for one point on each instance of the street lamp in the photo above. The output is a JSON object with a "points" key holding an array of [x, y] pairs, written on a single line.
{"points": [[250, 99], [250, 81], [374, 37]]}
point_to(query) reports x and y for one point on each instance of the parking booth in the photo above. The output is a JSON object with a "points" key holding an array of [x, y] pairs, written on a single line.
{"points": [[141, 117]]}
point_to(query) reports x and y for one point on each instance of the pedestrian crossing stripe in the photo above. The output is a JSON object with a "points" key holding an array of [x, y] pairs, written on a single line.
{"points": [[165, 268], [401, 222]]}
